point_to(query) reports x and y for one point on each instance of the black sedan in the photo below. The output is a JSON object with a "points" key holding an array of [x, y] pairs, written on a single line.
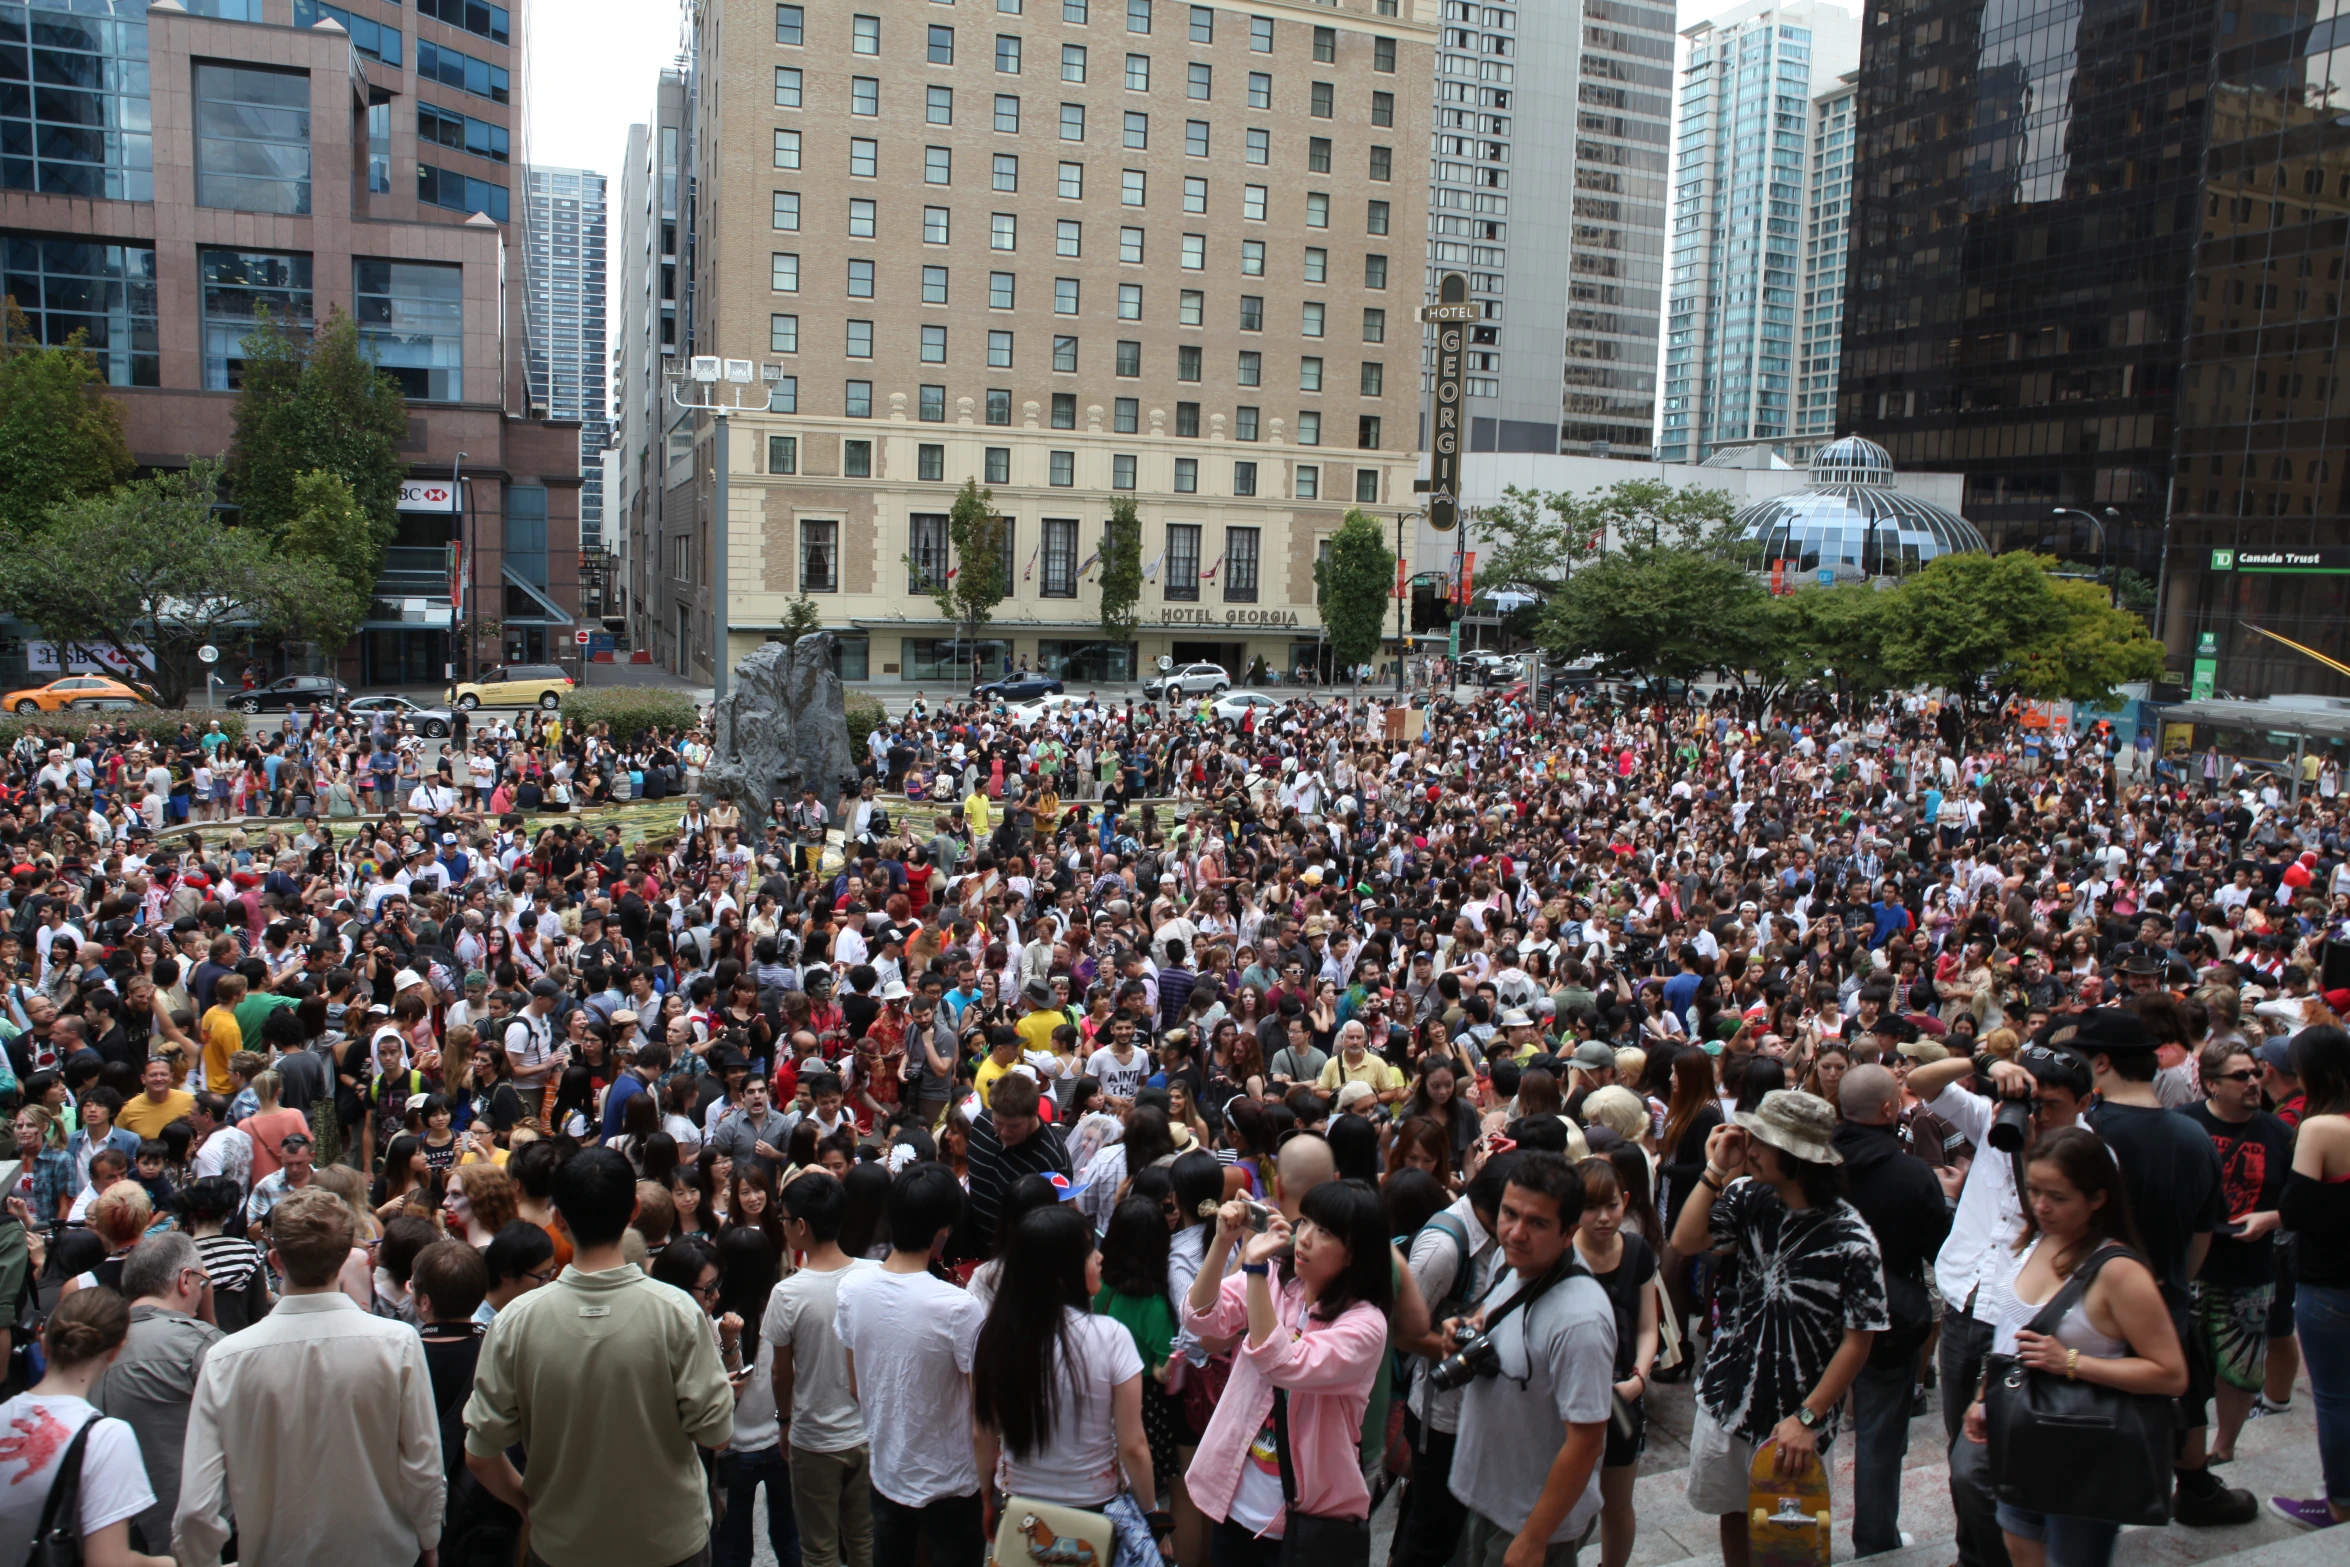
{"points": [[283, 696], [1018, 688]]}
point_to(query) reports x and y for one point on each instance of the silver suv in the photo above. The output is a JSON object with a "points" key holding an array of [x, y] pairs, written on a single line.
{"points": [[1187, 680]]}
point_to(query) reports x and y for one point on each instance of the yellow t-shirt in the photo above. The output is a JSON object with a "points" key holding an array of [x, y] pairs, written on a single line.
{"points": [[1036, 1029], [975, 812], [1336, 1074], [222, 1039], [983, 1078], [147, 1118]]}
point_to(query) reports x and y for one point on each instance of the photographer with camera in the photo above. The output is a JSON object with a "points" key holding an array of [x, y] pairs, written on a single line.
{"points": [[1538, 1353]]}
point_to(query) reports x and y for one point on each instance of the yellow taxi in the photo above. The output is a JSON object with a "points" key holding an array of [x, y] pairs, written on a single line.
{"points": [[77, 691]]}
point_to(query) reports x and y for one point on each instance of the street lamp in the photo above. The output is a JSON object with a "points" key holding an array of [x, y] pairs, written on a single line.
{"points": [[1403, 639], [709, 378], [2113, 596]]}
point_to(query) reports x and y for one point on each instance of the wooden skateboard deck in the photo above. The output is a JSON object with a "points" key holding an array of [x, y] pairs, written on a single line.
{"points": [[1787, 1515]]}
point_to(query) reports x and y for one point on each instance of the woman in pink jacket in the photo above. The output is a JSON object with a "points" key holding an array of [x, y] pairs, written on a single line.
{"points": [[1309, 1310]]}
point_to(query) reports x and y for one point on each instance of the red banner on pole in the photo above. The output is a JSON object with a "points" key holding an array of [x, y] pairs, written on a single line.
{"points": [[1467, 589]]}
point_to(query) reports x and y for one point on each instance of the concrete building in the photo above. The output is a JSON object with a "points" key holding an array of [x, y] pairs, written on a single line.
{"points": [[1078, 251], [566, 246], [213, 157], [1740, 255], [1826, 238], [653, 323], [1564, 250]]}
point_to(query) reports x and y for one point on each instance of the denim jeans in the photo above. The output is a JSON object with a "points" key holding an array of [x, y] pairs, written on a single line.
{"points": [[1880, 1441], [2322, 1314], [2069, 1542], [950, 1526], [1965, 1345], [740, 1475]]}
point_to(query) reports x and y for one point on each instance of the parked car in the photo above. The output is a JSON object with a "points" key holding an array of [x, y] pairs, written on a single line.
{"points": [[1187, 680], [433, 723], [72, 692], [1017, 688], [1236, 705], [514, 685], [280, 696], [1025, 714]]}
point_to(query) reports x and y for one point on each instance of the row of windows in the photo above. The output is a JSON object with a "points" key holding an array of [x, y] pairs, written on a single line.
{"points": [[1069, 233], [939, 40], [938, 166], [489, 21], [939, 107], [1126, 412], [460, 192], [784, 274], [376, 40], [448, 128], [783, 337]]}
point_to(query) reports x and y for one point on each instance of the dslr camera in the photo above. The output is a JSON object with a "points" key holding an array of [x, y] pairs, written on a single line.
{"points": [[1473, 1357], [2011, 1126]]}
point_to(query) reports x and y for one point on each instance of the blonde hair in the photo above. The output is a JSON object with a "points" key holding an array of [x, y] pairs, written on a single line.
{"points": [[52, 1128], [1619, 1110], [121, 1214], [267, 1085], [1631, 1061], [349, 1187]]}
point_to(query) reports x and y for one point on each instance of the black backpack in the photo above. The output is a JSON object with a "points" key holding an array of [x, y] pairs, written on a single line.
{"points": [[477, 1530]]}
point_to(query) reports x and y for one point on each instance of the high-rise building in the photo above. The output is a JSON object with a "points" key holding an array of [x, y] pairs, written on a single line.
{"points": [[168, 171], [1743, 180], [1563, 249], [566, 269], [652, 436], [1827, 215], [1074, 251]]}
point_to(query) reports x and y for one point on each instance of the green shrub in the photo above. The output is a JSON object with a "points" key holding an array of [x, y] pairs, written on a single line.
{"points": [[865, 715], [152, 723], [629, 710]]}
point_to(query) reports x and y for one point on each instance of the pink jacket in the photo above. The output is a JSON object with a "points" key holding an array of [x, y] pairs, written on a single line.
{"points": [[1328, 1372]]}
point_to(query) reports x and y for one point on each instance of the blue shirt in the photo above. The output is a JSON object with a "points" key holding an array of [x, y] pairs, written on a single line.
{"points": [[624, 1088], [1680, 991]]}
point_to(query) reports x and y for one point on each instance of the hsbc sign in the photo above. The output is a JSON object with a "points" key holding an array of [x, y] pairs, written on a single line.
{"points": [[427, 495]]}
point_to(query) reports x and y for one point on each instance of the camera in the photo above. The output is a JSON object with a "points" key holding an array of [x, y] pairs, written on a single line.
{"points": [[1474, 1357], [2011, 1127]]}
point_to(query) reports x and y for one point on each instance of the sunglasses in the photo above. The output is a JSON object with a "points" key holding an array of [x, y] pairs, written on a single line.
{"points": [[2244, 1076]]}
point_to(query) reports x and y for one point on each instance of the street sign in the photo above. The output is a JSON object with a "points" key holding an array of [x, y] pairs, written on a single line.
{"points": [[207, 654], [580, 636], [427, 495], [1451, 313], [2206, 673], [2333, 562]]}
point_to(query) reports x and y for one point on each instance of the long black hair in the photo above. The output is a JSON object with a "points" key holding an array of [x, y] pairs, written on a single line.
{"points": [[865, 1223], [1350, 1211], [748, 1266], [1134, 1249], [1023, 1354]]}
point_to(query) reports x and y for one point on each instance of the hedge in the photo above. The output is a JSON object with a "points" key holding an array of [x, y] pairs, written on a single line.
{"points": [[865, 715], [630, 710], [151, 723]]}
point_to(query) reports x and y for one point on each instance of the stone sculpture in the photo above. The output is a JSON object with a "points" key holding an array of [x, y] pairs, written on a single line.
{"points": [[782, 726]]}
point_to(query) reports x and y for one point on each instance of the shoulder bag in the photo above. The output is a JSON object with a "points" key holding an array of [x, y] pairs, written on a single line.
{"points": [[58, 1541], [1313, 1539], [2077, 1449]]}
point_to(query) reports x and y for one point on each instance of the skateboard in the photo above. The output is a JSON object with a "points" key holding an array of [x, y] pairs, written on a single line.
{"points": [[1787, 1515]]}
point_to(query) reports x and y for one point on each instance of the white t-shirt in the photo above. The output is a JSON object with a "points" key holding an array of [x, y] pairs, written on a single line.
{"points": [[824, 1418], [912, 1338], [1118, 1081], [1079, 1466], [36, 1432]]}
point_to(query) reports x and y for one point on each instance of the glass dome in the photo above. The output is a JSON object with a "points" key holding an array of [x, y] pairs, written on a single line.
{"points": [[1851, 520]]}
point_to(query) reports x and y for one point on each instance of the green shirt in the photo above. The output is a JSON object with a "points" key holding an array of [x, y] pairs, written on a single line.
{"points": [[253, 1011], [1150, 1318]]}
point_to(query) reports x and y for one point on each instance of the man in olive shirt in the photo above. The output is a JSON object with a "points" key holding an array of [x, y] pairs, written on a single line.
{"points": [[610, 1381]]}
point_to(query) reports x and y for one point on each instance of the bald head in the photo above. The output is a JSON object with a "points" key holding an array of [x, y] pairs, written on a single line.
{"points": [[1305, 1163], [1869, 1095]]}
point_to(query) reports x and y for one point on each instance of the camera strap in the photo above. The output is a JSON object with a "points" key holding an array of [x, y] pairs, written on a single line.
{"points": [[1566, 1267]]}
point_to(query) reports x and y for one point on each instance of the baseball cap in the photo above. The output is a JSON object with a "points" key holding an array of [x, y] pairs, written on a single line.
{"points": [[1593, 1055], [546, 989]]}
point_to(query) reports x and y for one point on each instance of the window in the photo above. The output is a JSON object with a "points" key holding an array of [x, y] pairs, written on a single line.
{"points": [[445, 127], [1073, 62], [1244, 482], [1312, 326], [1007, 56], [865, 95], [1382, 108], [1252, 258], [934, 285], [1260, 34], [787, 24], [857, 401], [862, 217], [1252, 203], [1325, 44], [1129, 358], [1122, 471], [1190, 306], [1187, 362], [1319, 103], [1244, 423], [1064, 296], [1198, 81], [1006, 174], [938, 166], [1374, 271], [411, 317], [934, 345], [1003, 231], [1260, 89], [1071, 185], [787, 211], [1072, 11], [1252, 312], [783, 334], [1309, 375], [856, 459], [1130, 188], [1309, 482], [438, 63], [1377, 223], [926, 551], [1138, 16], [930, 461], [1138, 129], [1309, 427], [787, 87], [1138, 73], [1260, 146], [1065, 355], [1383, 163], [1203, 25], [252, 137], [1367, 432], [860, 339], [999, 291], [865, 34], [819, 542], [1130, 245], [1240, 557], [1374, 380], [1061, 470], [864, 158], [999, 350], [1007, 113], [1068, 237], [942, 46], [1123, 414], [938, 106], [1383, 56], [1187, 420], [931, 404], [1186, 483], [1183, 548], [459, 192], [787, 149], [238, 286], [1195, 195], [934, 225], [783, 454], [998, 462], [1252, 367], [1064, 410], [1060, 538], [1374, 326], [1317, 155], [1195, 138], [1072, 122], [999, 405], [1367, 485], [1130, 301]]}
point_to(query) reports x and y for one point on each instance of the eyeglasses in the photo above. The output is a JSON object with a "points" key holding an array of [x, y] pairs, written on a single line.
{"points": [[548, 1274], [2245, 1076]]}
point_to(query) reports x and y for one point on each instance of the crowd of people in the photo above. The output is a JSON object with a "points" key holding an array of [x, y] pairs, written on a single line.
{"points": [[1120, 1128]]}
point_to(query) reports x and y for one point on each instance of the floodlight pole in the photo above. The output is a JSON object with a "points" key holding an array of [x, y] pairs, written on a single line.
{"points": [[705, 374]]}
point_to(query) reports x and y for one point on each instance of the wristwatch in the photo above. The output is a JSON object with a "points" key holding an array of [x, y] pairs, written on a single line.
{"points": [[1805, 1417]]}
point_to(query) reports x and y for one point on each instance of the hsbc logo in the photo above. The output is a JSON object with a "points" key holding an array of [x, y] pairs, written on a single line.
{"points": [[428, 495]]}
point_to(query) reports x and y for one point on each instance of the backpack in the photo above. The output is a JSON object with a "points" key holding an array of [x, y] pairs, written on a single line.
{"points": [[477, 1530], [1458, 1297]]}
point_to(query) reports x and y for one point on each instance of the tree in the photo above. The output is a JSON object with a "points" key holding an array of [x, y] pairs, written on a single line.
{"points": [[801, 616], [1121, 552], [60, 435], [974, 584], [1533, 538], [2005, 621], [316, 402], [1656, 611], [1653, 513], [1357, 584], [2089, 650], [330, 530], [176, 577], [1811, 637]]}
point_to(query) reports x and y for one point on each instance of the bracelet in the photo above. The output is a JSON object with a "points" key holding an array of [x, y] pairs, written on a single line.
{"points": [[2072, 1365], [1259, 1269]]}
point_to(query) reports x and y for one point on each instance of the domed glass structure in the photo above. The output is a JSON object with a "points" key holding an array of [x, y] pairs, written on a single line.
{"points": [[1850, 519]]}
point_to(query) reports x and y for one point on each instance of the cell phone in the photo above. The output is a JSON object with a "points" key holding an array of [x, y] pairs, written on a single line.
{"points": [[2235, 1227]]}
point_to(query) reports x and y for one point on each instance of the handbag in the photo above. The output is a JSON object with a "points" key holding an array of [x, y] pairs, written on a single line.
{"points": [[58, 1540], [2076, 1449], [1313, 1539], [1046, 1534]]}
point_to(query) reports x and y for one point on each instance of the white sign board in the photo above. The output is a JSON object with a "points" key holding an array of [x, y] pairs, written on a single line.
{"points": [[77, 658], [207, 654], [427, 495], [580, 636]]}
